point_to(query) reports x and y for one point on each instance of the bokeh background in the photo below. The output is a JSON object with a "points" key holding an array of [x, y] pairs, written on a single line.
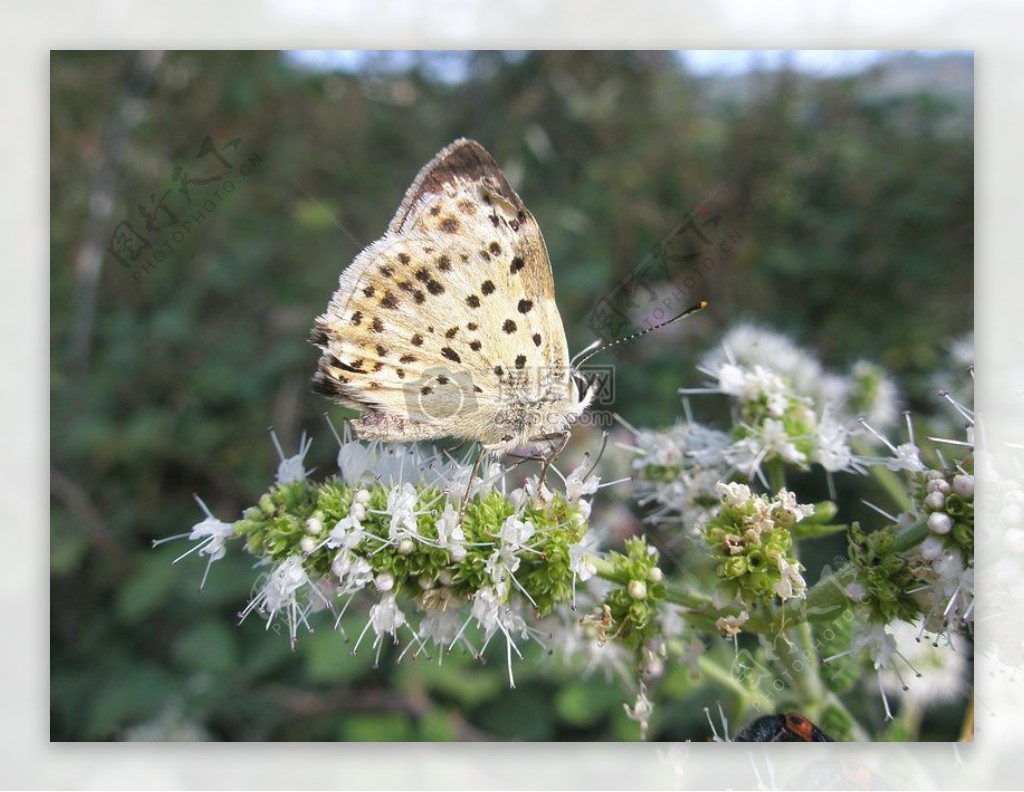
{"points": [[849, 176]]}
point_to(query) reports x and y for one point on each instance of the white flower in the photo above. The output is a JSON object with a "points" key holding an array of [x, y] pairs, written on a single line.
{"points": [[578, 563], [353, 573], [733, 493], [347, 532], [907, 457], [904, 457], [398, 464], [211, 534], [292, 469], [486, 610], [578, 483], [687, 496], [286, 579], [516, 532], [950, 595], [441, 626], [831, 449], [354, 460], [881, 647], [576, 644], [940, 666], [402, 509], [280, 594], [500, 568], [732, 380], [792, 585], [493, 616], [731, 626], [775, 440], [450, 533], [640, 711], [215, 533], [386, 617], [787, 502], [752, 347]]}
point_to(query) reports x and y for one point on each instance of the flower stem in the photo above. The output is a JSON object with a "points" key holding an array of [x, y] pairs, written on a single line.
{"points": [[776, 474], [801, 665], [713, 671]]}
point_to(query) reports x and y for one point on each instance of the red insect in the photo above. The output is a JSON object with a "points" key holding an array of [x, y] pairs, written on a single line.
{"points": [[788, 727]]}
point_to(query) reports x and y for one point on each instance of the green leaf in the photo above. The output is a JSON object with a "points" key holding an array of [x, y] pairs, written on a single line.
{"points": [[329, 658], [436, 726], [468, 686], [152, 582], [67, 548], [582, 705], [519, 715], [806, 530], [211, 646], [391, 727], [133, 695]]}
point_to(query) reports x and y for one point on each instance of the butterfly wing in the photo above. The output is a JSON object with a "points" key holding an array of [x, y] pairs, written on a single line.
{"points": [[436, 324]]}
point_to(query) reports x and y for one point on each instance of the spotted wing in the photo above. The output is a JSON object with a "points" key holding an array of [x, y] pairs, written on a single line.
{"points": [[433, 324]]}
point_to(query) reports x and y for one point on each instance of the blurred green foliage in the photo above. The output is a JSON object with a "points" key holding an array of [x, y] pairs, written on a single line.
{"points": [[854, 196]]}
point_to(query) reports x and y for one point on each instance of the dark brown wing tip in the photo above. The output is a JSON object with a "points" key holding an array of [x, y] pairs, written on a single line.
{"points": [[318, 336], [462, 160]]}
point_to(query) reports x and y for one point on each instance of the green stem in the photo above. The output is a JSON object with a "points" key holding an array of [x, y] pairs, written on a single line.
{"points": [[716, 673], [801, 665], [798, 661], [776, 474]]}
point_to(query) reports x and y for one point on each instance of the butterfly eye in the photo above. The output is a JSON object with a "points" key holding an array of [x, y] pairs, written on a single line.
{"points": [[582, 386]]}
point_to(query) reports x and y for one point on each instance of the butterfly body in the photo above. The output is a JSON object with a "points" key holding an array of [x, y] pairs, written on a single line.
{"points": [[447, 326]]}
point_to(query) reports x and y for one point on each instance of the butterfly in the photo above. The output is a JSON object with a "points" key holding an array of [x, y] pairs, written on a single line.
{"points": [[447, 325]]}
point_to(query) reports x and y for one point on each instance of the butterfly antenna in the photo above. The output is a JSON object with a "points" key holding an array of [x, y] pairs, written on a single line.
{"points": [[691, 310]]}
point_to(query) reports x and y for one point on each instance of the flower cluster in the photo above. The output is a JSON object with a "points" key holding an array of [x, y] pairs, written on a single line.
{"points": [[676, 472], [751, 543], [439, 554], [787, 409], [913, 572], [389, 527]]}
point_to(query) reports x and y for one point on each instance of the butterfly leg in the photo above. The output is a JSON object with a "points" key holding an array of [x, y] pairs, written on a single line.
{"points": [[469, 485], [563, 438]]}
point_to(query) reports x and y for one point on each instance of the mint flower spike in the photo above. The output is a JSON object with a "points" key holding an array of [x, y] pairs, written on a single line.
{"points": [[786, 407], [675, 472], [751, 541], [387, 528]]}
